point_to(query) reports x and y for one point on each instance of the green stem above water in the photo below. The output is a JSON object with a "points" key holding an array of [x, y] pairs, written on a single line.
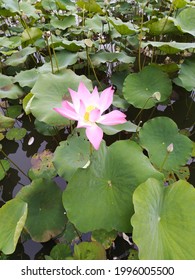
{"points": [[14, 164]]}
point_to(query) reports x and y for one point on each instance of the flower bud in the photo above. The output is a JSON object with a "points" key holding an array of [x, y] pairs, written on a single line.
{"points": [[157, 95], [170, 148], [88, 43]]}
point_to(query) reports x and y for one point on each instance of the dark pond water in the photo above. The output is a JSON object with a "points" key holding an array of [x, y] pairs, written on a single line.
{"points": [[21, 152]]}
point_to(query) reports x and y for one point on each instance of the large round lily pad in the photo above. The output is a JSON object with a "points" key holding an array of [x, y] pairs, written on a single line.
{"points": [[156, 135], [46, 217], [164, 220], [12, 219], [49, 92], [139, 88], [100, 196]]}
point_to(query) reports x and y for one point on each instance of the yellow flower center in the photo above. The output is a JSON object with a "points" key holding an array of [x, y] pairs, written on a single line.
{"points": [[88, 110]]}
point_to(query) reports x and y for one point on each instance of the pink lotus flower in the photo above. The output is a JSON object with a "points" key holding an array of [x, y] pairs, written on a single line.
{"points": [[87, 108]]}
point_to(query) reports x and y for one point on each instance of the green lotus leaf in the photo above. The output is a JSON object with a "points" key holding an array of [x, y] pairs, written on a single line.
{"points": [[60, 252], [49, 92], [169, 67], [161, 26], [70, 234], [54, 42], [73, 45], [163, 223], [111, 130], [179, 3], [185, 21], [143, 2], [170, 47], [106, 187], [8, 88], [11, 5], [139, 88], [193, 151], [1, 136], [156, 135], [16, 133], [89, 251], [14, 111], [27, 102], [124, 28], [45, 209], [12, 219], [96, 23], [71, 155], [11, 42], [23, 8], [4, 167], [66, 22], [64, 59], [103, 237], [133, 255], [6, 122], [28, 10], [42, 166], [120, 102], [45, 129], [31, 34], [90, 6], [49, 5], [27, 78], [66, 5], [103, 57], [186, 75]]}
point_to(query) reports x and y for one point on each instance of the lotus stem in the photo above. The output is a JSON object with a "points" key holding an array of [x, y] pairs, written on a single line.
{"points": [[91, 64], [189, 109], [91, 149], [140, 40], [14, 164], [151, 97], [3, 167], [49, 50], [54, 53], [77, 232], [165, 159]]}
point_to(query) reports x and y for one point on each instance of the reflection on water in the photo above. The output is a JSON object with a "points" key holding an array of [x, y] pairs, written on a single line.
{"points": [[31, 248]]}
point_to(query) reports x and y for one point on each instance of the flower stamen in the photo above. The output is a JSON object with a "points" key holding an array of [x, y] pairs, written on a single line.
{"points": [[87, 113], [86, 116]]}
